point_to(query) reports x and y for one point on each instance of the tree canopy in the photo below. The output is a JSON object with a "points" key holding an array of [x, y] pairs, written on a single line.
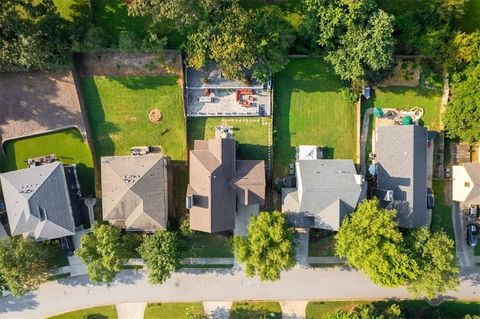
{"points": [[33, 36], [162, 253], [367, 312], [357, 36], [22, 265], [371, 241], [103, 252], [463, 110], [438, 268], [268, 248]]}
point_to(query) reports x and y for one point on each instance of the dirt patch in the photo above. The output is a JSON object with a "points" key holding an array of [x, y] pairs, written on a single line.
{"points": [[405, 73], [37, 102], [155, 116], [129, 63]]}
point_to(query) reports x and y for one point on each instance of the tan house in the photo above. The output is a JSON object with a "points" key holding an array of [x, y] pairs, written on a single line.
{"points": [[135, 191], [219, 184], [466, 183]]}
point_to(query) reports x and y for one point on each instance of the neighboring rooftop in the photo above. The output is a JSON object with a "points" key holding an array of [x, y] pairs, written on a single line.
{"points": [[218, 181], [326, 189], [37, 202], [401, 154], [135, 191], [466, 183]]}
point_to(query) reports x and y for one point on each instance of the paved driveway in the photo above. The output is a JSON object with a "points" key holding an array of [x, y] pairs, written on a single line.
{"points": [[200, 285], [464, 252]]}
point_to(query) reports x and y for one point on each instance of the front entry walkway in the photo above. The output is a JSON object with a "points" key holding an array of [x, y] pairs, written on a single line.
{"points": [[293, 309], [217, 309], [131, 310]]}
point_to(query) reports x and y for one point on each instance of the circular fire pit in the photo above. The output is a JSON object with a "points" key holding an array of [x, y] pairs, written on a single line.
{"points": [[155, 116]]}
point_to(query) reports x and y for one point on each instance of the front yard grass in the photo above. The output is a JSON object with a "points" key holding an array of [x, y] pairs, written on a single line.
{"points": [[442, 212], [255, 310], [417, 309], [405, 98], [118, 109], [251, 134], [321, 243], [206, 245], [310, 109], [172, 310], [67, 145], [104, 312]]}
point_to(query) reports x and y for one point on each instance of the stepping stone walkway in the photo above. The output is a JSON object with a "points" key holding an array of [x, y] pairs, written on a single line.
{"points": [[217, 309], [293, 309], [131, 310]]}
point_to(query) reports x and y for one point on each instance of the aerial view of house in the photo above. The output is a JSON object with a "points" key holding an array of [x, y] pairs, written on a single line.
{"points": [[135, 192], [241, 159], [219, 184]]}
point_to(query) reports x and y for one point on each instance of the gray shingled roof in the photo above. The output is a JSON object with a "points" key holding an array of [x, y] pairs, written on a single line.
{"points": [[402, 167], [37, 202], [326, 189], [134, 192], [218, 180]]}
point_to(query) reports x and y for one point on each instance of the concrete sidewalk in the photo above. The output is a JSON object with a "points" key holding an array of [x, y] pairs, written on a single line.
{"points": [[131, 310]]}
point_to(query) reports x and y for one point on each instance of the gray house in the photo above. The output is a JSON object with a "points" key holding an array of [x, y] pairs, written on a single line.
{"points": [[38, 202], [135, 192], [327, 191], [220, 185], [401, 152]]}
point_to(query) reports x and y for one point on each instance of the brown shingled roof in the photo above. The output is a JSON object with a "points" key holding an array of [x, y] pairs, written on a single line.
{"points": [[217, 181]]}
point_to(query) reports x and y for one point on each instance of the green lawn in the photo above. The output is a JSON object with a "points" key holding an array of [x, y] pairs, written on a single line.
{"points": [[310, 109], [118, 109], [209, 246], [321, 243], [172, 310], [442, 213], [255, 310], [408, 97], [251, 134], [471, 19], [68, 145], [104, 312], [412, 309]]}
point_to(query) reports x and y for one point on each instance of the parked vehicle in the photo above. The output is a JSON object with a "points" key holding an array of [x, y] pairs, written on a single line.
{"points": [[472, 235], [430, 199], [472, 213]]}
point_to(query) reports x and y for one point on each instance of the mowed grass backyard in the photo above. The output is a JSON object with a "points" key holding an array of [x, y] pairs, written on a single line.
{"points": [[67, 145], [310, 109], [405, 98], [118, 109], [412, 309], [251, 133]]}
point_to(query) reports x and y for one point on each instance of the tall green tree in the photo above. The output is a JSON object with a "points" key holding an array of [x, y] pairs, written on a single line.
{"points": [[268, 248], [357, 36], [22, 265], [32, 36], [162, 253], [102, 250], [370, 241], [463, 110], [438, 266]]}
